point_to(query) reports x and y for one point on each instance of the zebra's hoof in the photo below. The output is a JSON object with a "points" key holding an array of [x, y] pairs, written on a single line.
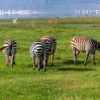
{"points": [[44, 70], [33, 68], [75, 63], [14, 63], [38, 69], [52, 64], [7, 65], [85, 64]]}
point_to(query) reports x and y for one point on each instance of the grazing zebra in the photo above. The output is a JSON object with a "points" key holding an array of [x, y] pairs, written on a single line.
{"points": [[39, 54], [51, 45], [9, 48], [84, 44]]}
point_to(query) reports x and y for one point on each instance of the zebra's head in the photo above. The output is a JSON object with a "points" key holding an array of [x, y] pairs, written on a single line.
{"points": [[97, 45]]}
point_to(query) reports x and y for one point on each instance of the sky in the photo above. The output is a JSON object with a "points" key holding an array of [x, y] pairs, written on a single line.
{"points": [[51, 8]]}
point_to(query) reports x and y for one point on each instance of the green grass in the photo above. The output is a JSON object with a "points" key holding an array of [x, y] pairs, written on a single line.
{"points": [[63, 81]]}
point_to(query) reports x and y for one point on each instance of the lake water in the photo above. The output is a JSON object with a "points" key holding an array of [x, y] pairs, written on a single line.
{"points": [[46, 21], [49, 8]]}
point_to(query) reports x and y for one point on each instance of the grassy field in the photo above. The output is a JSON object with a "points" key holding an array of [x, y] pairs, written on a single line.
{"points": [[63, 81], [49, 21]]}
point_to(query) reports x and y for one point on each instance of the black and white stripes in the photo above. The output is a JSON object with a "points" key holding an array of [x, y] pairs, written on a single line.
{"points": [[41, 49], [84, 44], [9, 49], [46, 45], [39, 54], [51, 45]]}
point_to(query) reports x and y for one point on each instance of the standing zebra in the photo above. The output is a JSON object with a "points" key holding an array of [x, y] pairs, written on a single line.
{"points": [[39, 54], [9, 48], [51, 45], [84, 44]]}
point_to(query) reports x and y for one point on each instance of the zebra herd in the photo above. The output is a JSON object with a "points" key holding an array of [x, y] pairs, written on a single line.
{"points": [[46, 45], [40, 51]]}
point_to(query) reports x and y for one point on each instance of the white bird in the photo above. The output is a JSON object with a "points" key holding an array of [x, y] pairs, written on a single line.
{"points": [[15, 20]]}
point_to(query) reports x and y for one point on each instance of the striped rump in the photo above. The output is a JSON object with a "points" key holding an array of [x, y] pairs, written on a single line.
{"points": [[50, 45], [9, 48], [39, 54]]}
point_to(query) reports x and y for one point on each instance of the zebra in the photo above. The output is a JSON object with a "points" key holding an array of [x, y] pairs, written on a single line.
{"points": [[84, 44], [9, 48], [51, 45], [38, 54]]}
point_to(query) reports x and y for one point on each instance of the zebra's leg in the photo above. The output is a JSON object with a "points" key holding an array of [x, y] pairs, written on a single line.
{"points": [[87, 55], [75, 59], [45, 61], [34, 61], [12, 60], [13, 52], [7, 59], [93, 58], [38, 62], [52, 58], [76, 53], [42, 59]]}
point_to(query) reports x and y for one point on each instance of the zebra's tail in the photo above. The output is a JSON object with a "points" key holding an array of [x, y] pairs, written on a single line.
{"points": [[2, 48]]}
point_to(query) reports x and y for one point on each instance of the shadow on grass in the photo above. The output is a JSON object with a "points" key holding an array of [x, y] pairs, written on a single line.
{"points": [[54, 65], [29, 65], [71, 62], [76, 69], [77, 66], [49, 65]]}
